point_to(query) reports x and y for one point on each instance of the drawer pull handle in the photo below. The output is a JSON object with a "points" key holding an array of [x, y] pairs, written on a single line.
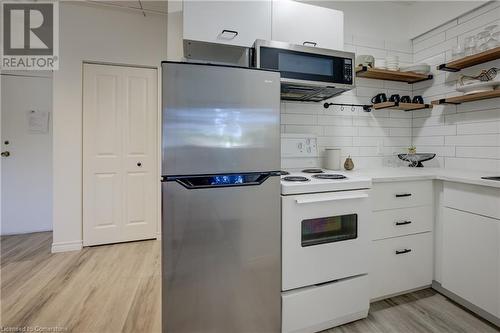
{"points": [[403, 223], [403, 251], [403, 195]]}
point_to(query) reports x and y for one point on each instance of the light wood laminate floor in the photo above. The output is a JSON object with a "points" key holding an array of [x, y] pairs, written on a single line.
{"points": [[116, 288]]}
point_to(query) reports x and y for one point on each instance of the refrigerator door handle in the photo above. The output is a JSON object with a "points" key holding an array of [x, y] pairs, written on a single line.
{"points": [[224, 180]]}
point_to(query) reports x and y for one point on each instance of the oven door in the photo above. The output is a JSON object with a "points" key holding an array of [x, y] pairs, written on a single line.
{"points": [[324, 237]]}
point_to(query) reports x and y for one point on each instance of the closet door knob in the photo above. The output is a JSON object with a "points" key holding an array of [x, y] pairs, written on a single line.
{"points": [[139, 164]]}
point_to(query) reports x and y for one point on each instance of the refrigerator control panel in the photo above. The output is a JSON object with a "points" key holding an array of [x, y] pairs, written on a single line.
{"points": [[298, 146]]}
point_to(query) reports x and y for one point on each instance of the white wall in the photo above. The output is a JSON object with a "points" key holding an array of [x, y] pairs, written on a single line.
{"points": [[466, 136], [90, 33]]}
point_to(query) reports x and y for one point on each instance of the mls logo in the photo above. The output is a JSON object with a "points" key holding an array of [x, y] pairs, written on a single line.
{"points": [[30, 35]]}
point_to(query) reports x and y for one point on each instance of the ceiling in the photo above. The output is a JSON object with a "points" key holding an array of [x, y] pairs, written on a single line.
{"points": [[159, 7]]}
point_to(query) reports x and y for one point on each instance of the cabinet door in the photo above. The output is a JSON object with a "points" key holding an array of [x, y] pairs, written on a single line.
{"points": [[471, 258], [305, 24], [237, 23]]}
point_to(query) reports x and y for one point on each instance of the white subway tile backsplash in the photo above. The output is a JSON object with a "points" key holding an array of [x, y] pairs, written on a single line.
{"points": [[434, 130], [427, 43], [478, 21], [483, 140], [440, 151], [479, 11], [435, 31], [492, 127], [428, 141], [478, 152], [329, 120], [397, 141], [340, 131], [367, 141], [304, 129], [334, 141], [369, 41], [401, 46], [373, 131], [428, 121], [299, 119], [473, 116], [476, 164], [398, 131], [434, 50]]}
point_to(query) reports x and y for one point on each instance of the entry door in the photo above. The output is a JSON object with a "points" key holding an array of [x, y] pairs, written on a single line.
{"points": [[120, 114], [26, 154]]}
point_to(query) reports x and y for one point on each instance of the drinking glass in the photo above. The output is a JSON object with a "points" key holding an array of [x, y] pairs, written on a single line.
{"points": [[482, 40], [470, 45], [457, 51]]}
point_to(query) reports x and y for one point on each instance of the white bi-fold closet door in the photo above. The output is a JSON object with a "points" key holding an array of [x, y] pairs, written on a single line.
{"points": [[120, 121]]}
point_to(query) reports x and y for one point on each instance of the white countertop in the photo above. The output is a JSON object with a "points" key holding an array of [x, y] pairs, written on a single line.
{"points": [[380, 175]]}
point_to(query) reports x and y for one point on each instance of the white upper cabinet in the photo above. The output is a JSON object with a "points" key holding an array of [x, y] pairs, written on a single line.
{"points": [[304, 24], [237, 23]]}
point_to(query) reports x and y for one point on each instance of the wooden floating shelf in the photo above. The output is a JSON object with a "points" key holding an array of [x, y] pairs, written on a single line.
{"points": [[385, 74], [468, 98], [401, 106], [475, 59]]}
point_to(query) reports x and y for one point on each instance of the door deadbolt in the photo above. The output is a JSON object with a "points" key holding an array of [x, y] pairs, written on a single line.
{"points": [[5, 154]]}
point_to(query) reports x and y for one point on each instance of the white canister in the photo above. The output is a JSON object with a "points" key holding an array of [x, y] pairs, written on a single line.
{"points": [[332, 158]]}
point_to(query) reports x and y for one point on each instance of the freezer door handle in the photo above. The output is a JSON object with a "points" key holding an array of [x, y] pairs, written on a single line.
{"points": [[225, 180]]}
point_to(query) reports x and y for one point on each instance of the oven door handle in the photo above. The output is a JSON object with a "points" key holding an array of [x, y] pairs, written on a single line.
{"points": [[334, 197]]}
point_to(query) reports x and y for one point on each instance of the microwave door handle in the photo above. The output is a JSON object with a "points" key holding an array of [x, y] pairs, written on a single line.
{"points": [[327, 198], [308, 43]]}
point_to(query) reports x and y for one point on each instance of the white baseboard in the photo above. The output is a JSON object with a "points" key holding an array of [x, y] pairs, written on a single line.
{"points": [[158, 235], [67, 246]]}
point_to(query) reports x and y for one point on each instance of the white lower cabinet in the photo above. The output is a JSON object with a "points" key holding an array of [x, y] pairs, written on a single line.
{"points": [[471, 258], [402, 237], [316, 308], [400, 264]]}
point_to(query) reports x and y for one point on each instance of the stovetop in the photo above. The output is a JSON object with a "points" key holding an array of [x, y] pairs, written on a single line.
{"points": [[320, 180]]}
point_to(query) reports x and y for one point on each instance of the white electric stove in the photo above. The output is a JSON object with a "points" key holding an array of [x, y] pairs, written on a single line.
{"points": [[325, 244]]}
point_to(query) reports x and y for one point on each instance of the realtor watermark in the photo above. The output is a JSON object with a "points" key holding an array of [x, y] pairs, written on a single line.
{"points": [[30, 32]]}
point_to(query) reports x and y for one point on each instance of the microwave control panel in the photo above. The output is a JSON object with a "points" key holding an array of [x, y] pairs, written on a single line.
{"points": [[348, 71]]}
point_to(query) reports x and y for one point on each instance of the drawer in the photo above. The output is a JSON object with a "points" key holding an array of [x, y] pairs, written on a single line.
{"points": [[476, 199], [400, 264], [316, 308], [402, 194], [401, 222]]}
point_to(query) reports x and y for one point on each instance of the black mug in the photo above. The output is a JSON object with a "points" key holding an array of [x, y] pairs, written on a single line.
{"points": [[380, 98], [394, 98], [405, 99], [418, 99]]}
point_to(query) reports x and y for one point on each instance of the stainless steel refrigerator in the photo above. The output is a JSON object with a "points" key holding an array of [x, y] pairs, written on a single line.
{"points": [[221, 230]]}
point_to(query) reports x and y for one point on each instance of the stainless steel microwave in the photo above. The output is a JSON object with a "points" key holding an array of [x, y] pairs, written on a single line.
{"points": [[307, 73]]}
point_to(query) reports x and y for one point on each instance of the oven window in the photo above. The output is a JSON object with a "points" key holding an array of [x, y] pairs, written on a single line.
{"points": [[329, 229]]}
